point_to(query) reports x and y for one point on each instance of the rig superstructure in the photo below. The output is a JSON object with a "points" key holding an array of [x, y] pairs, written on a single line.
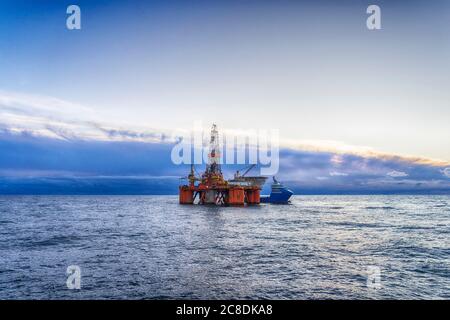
{"points": [[212, 188]]}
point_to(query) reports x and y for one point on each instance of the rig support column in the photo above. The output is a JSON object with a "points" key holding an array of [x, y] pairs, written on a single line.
{"points": [[236, 196], [186, 195]]}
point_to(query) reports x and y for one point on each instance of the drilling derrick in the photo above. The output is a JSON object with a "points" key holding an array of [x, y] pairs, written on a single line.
{"points": [[213, 166], [213, 173]]}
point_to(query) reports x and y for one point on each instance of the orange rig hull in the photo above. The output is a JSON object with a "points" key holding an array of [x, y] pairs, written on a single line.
{"points": [[212, 188], [219, 195]]}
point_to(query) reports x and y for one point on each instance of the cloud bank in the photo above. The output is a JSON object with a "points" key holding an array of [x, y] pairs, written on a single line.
{"points": [[47, 148], [446, 172], [397, 174]]}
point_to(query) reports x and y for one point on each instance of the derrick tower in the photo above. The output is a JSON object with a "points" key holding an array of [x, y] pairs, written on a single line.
{"points": [[213, 166]]}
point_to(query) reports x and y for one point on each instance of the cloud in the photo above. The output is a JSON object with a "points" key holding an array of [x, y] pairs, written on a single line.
{"points": [[30, 103], [336, 159], [44, 137], [42, 164], [446, 172], [397, 174], [44, 116], [47, 116], [338, 174], [27, 155], [339, 149]]}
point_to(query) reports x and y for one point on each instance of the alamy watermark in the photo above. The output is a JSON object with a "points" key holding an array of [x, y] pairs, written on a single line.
{"points": [[249, 146], [73, 21], [74, 277], [373, 277], [373, 22]]}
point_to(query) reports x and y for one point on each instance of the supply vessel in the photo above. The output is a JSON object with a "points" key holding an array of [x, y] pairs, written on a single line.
{"points": [[279, 193]]}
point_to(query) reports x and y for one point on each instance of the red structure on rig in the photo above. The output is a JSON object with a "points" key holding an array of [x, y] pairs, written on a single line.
{"points": [[212, 188]]}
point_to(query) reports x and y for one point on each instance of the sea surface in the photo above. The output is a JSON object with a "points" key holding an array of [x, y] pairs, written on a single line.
{"points": [[150, 247]]}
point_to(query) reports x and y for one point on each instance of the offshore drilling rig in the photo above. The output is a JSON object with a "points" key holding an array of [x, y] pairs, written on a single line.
{"points": [[212, 188]]}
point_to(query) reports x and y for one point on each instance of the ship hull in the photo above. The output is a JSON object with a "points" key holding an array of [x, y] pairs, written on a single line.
{"points": [[279, 196]]}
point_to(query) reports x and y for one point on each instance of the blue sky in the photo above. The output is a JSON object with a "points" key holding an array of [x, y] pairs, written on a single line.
{"points": [[358, 111]]}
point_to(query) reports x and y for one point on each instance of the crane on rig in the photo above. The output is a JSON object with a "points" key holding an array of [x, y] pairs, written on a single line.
{"points": [[238, 175], [244, 180]]}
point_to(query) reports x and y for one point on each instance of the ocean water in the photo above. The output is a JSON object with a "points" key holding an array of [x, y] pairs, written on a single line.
{"points": [[149, 247]]}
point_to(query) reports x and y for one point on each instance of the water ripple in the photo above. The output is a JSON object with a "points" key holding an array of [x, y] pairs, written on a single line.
{"points": [[149, 247]]}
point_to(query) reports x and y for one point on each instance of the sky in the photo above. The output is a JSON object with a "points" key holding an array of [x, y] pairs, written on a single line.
{"points": [[358, 110]]}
